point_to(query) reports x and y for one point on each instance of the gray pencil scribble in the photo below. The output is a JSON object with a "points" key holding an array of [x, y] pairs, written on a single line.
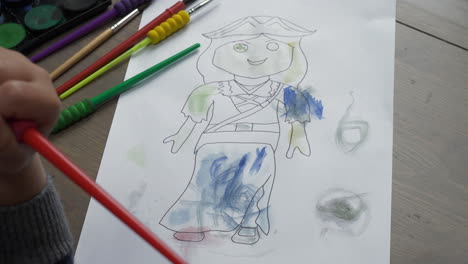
{"points": [[343, 211], [344, 137], [135, 196]]}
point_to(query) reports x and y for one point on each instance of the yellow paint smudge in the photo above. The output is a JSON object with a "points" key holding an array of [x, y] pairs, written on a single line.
{"points": [[296, 132], [296, 70]]}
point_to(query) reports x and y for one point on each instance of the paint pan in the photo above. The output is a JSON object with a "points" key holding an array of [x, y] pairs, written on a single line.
{"points": [[43, 17], [11, 35], [78, 6], [26, 24]]}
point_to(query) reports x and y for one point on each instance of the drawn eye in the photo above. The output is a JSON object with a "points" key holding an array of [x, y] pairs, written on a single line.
{"points": [[273, 46], [241, 47]]}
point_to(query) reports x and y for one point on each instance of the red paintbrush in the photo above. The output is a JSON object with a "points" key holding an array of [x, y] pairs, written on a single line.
{"points": [[26, 132]]}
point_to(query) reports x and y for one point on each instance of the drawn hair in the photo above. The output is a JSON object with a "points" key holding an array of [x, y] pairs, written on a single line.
{"points": [[250, 27]]}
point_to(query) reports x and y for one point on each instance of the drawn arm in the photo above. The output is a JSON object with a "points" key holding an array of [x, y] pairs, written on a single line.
{"points": [[199, 110], [187, 129], [179, 138], [298, 140], [297, 114]]}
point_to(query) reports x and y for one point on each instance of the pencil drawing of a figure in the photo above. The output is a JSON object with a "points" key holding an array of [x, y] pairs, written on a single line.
{"points": [[252, 71]]}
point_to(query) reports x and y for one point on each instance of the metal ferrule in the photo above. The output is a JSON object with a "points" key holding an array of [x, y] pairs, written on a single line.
{"points": [[195, 8], [125, 20]]}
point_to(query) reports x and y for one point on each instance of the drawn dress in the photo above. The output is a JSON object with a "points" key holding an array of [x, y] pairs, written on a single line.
{"points": [[235, 160]]}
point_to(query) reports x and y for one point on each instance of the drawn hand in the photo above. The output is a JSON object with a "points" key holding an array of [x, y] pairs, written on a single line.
{"points": [[301, 144], [181, 136], [177, 142], [298, 140]]}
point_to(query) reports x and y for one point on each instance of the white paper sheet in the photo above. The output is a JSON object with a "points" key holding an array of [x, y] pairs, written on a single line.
{"points": [[327, 66]]}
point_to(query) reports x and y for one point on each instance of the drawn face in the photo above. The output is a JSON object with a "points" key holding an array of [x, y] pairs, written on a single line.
{"points": [[254, 58]]}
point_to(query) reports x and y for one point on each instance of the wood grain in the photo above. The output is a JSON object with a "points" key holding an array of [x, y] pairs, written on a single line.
{"points": [[430, 183], [447, 20], [430, 178]]}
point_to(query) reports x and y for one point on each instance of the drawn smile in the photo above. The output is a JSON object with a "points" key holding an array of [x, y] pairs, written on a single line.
{"points": [[257, 62]]}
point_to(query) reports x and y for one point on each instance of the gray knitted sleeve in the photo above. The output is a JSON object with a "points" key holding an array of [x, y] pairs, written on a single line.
{"points": [[35, 232]]}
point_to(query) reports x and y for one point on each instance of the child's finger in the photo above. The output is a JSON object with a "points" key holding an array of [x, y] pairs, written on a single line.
{"points": [[23, 101], [11, 151], [7, 137], [14, 66]]}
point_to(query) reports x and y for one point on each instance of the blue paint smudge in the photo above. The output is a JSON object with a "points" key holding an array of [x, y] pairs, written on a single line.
{"points": [[297, 107], [300, 106], [258, 161], [180, 217], [223, 191], [231, 184], [315, 105]]}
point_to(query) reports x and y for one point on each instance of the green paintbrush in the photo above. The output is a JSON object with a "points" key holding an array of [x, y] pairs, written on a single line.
{"points": [[84, 108]]}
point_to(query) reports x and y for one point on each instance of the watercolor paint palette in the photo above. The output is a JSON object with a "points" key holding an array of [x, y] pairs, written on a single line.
{"points": [[25, 24]]}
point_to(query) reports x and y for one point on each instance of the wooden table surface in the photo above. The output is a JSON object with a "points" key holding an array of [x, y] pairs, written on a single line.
{"points": [[430, 154]]}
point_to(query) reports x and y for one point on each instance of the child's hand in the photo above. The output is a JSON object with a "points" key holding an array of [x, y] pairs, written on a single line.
{"points": [[26, 93]]}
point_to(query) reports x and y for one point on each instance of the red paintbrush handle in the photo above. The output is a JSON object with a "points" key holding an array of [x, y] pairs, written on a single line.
{"points": [[27, 133], [122, 47]]}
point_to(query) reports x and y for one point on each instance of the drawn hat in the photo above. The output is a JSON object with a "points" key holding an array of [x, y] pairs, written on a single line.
{"points": [[251, 26]]}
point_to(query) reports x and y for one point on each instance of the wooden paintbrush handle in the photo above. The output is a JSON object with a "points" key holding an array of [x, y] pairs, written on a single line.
{"points": [[82, 53]]}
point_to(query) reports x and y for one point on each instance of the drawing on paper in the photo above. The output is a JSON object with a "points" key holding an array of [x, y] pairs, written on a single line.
{"points": [[343, 211], [351, 134], [252, 71]]}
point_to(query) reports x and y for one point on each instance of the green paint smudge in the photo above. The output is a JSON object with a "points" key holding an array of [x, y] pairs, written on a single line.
{"points": [[137, 155], [200, 100]]}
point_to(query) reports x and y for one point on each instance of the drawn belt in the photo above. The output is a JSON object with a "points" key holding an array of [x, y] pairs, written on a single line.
{"points": [[243, 115], [249, 127]]}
